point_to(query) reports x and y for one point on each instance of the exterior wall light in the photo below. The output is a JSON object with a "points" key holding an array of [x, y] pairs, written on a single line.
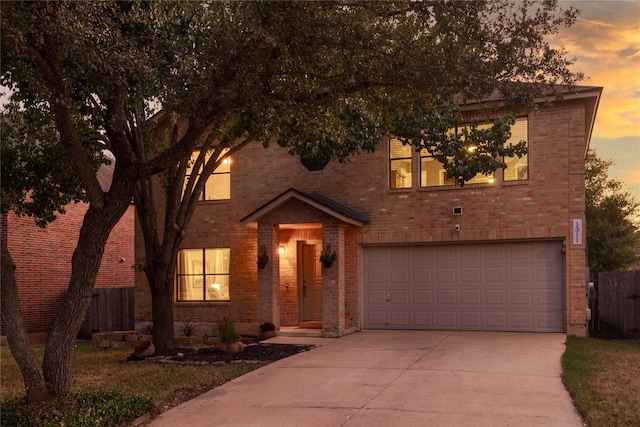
{"points": [[281, 250]]}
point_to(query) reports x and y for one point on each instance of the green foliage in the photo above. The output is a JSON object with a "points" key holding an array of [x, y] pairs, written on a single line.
{"points": [[463, 151], [37, 177], [612, 214], [95, 408], [227, 330]]}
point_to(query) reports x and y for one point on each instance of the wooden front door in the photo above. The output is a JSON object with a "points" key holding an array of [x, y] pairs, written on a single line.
{"points": [[310, 275]]}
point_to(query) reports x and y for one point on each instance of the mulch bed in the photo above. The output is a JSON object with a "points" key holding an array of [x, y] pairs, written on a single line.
{"points": [[255, 352]]}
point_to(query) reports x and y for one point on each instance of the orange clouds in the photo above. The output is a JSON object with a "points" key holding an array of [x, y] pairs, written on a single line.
{"points": [[606, 42]]}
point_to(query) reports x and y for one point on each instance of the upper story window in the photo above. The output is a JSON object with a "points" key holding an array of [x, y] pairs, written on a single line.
{"points": [[518, 167], [433, 173], [400, 162], [203, 274], [218, 185]]}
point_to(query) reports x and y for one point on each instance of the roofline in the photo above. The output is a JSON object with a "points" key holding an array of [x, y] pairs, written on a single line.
{"points": [[317, 203]]}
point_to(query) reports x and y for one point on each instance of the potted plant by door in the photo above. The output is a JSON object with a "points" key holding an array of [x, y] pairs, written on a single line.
{"points": [[229, 338], [267, 330], [327, 257]]}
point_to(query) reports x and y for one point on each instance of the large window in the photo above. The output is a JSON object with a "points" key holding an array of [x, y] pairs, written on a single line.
{"points": [[203, 274], [518, 168], [218, 185], [400, 163]]}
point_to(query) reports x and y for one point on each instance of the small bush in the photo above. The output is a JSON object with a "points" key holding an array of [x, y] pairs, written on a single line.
{"points": [[227, 330], [93, 408]]}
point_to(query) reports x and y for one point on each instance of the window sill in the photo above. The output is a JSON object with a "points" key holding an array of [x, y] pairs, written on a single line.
{"points": [[200, 303], [457, 187], [515, 183]]}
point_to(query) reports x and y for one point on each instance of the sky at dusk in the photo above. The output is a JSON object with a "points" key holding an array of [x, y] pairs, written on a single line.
{"points": [[606, 42]]}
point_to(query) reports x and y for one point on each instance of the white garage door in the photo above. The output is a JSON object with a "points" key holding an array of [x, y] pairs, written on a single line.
{"points": [[488, 287]]}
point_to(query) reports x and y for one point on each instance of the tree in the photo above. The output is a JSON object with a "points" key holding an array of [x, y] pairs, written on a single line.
{"points": [[613, 233], [323, 79]]}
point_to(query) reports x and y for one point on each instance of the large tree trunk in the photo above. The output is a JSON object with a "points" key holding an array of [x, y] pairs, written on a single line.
{"points": [[35, 386], [162, 310], [85, 265]]}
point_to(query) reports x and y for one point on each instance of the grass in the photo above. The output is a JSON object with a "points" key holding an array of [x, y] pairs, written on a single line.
{"points": [[100, 372], [603, 378]]}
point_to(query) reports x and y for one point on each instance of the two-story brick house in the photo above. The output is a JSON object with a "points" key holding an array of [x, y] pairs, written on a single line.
{"points": [[414, 251]]}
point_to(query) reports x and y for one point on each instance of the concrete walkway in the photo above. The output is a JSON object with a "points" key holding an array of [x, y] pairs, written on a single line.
{"points": [[396, 378]]}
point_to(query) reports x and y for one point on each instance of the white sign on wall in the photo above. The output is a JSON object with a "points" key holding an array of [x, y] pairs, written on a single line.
{"points": [[577, 231]]}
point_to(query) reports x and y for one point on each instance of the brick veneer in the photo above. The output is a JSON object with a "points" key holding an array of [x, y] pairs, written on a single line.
{"points": [[541, 208], [43, 261]]}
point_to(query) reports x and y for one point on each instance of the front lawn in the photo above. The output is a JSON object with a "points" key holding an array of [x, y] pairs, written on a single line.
{"points": [[103, 384], [603, 378]]}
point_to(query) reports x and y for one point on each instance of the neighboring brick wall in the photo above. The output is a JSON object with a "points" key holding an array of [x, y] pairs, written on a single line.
{"points": [[43, 261], [540, 208]]}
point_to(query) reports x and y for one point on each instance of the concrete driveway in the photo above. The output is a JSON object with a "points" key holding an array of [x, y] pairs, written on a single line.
{"points": [[396, 378]]}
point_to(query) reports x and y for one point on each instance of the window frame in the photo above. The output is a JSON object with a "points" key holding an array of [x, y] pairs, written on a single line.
{"points": [[526, 166], [391, 161], [203, 275], [215, 174]]}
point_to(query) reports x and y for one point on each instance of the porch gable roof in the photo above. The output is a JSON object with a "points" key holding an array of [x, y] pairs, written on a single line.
{"points": [[314, 199]]}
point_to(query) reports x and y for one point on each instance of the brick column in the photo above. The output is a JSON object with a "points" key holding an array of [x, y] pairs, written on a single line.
{"points": [[269, 277], [333, 282]]}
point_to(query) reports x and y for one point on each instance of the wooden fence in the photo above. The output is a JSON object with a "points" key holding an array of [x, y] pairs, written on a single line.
{"points": [[111, 309], [616, 306]]}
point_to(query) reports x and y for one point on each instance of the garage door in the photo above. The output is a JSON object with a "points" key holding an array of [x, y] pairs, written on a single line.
{"points": [[488, 287]]}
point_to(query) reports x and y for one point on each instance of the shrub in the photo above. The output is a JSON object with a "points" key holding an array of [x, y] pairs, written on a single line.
{"points": [[89, 408]]}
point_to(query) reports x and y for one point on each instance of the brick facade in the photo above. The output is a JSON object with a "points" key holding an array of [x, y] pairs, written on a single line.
{"points": [[43, 261], [543, 207]]}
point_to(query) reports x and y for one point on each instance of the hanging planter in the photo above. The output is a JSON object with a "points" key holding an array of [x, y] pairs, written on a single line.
{"points": [[327, 257], [263, 258]]}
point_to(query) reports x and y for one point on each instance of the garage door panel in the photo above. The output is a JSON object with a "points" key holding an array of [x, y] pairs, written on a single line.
{"points": [[495, 286], [445, 297], [521, 275], [423, 319], [470, 275], [399, 277], [471, 320], [496, 321], [495, 297], [376, 297], [446, 319], [422, 275], [522, 321], [521, 297], [470, 297], [399, 297], [422, 298], [399, 319], [445, 275], [376, 276]]}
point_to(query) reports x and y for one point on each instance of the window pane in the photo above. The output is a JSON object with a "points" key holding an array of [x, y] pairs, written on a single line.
{"points": [[517, 168], [190, 288], [218, 187], [399, 150], [217, 288], [190, 261], [401, 174], [400, 164]]}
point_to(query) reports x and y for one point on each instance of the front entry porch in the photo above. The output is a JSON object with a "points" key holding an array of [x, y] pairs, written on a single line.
{"points": [[296, 292]]}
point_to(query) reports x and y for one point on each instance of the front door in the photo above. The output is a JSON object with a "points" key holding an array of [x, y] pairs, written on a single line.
{"points": [[310, 275]]}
